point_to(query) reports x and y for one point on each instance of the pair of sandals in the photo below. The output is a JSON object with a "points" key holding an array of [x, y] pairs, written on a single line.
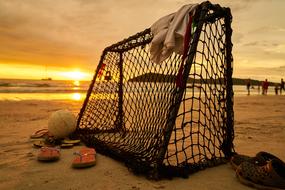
{"points": [[85, 157], [65, 143], [47, 139], [264, 171]]}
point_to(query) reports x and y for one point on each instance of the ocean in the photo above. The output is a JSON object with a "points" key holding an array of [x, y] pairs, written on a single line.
{"points": [[18, 89]]}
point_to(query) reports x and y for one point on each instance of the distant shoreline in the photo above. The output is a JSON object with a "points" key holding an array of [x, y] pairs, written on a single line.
{"points": [[149, 77]]}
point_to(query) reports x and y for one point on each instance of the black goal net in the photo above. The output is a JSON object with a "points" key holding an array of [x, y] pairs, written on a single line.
{"points": [[136, 112]]}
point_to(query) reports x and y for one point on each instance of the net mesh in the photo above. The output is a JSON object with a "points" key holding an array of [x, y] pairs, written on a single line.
{"points": [[134, 111]]}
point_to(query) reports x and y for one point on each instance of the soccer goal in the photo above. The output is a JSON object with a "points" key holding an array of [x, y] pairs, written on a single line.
{"points": [[135, 112]]}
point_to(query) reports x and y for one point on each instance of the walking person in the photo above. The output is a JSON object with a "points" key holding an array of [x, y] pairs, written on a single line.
{"points": [[265, 85], [276, 88], [248, 86], [282, 87]]}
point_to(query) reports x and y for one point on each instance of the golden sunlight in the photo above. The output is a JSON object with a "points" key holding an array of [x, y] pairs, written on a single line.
{"points": [[26, 71], [74, 75], [76, 83], [76, 96]]}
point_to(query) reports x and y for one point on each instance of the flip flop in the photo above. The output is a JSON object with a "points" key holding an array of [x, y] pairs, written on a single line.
{"points": [[86, 157], [48, 154], [69, 141], [260, 159], [42, 143], [270, 176], [39, 144], [66, 145], [39, 134]]}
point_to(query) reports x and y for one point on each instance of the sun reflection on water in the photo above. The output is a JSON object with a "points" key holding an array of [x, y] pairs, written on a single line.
{"points": [[76, 96], [76, 83]]}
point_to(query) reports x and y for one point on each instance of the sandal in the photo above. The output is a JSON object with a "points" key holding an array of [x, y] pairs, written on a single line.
{"points": [[270, 176], [48, 141], [66, 145], [40, 144], [69, 143], [39, 134], [260, 159], [84, 158], [48, 154]]}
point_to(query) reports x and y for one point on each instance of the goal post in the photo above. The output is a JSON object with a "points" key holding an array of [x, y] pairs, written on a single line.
{"points": [[134, 110]]}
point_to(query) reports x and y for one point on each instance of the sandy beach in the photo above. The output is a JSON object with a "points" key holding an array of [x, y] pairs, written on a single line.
{"points": [[259, 125]]}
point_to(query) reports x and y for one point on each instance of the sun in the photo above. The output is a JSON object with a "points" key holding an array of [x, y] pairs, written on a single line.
{"points": [[75, 75]]}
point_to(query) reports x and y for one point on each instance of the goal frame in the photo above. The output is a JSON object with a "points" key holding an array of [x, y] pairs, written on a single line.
{"points": [[158, 168]]}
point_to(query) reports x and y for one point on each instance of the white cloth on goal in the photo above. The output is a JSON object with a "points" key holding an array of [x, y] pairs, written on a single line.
{"points": [[168, 33]]}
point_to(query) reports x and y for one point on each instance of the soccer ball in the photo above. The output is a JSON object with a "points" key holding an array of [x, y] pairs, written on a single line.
{"points": [[61, 123]]}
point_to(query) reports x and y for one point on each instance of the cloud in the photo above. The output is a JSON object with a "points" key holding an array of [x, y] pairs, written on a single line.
{"points": [[62, 32], [262, 51], [262, 43], [35, 32], [273, 74], [75, 32], [241, 5]]}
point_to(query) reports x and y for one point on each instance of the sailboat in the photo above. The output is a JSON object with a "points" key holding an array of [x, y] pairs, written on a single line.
{"points": [[46, 78]]}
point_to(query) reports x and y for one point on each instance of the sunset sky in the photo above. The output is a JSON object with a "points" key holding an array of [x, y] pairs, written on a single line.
{"points": [[68, 36]]}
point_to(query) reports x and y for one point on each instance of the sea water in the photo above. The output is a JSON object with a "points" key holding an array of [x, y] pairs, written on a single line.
{"points": [[18, 89]]}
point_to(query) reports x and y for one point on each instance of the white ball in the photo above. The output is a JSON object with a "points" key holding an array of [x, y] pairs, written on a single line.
{"points": [[61, 123]]}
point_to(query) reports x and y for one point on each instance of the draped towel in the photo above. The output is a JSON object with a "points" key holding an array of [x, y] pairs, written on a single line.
{"points": [[169, 32]]}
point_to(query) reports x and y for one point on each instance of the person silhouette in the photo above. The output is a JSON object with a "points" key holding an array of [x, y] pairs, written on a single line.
{"points": [[248, 86], [265, 85], [276, 88], [282, 87]]}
